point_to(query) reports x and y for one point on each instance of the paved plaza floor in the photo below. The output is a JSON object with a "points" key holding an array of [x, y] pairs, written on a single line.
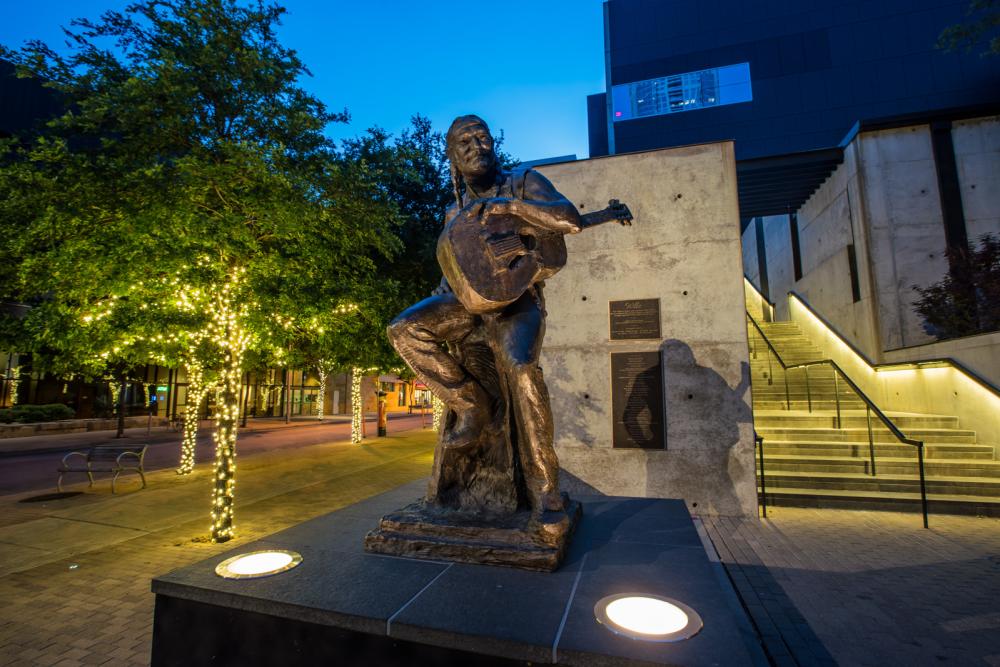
{"points": [[872, 588], [821, 586]]}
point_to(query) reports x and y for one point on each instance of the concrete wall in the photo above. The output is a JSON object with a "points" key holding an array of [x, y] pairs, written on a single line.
{"points": [[980, 354], [977, 147], [905, 229], [684, 249], [884, 200]]}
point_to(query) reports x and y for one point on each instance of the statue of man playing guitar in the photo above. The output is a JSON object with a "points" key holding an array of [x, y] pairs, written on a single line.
{"points": [[504, 236], [418, 332]]}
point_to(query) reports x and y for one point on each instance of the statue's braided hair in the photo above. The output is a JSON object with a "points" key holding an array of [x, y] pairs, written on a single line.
{"points": [[456, 125]]}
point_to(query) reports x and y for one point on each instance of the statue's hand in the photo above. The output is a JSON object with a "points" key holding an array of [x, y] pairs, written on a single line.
{"points": [[495, 206]]}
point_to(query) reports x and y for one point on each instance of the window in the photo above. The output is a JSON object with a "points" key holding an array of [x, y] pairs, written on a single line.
{"points": [[682, 92], [401, 399]]}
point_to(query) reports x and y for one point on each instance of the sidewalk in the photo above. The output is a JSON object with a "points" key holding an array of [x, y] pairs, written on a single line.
{"points": [[846, 587], [822, 587], [68, 442], [75, 572]]}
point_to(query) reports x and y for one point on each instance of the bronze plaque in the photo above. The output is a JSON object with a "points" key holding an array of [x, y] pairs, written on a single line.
{"points": [[637, 400], [635, 319]]}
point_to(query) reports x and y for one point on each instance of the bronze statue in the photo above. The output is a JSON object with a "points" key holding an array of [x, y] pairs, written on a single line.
{"points": [[494, 492]]}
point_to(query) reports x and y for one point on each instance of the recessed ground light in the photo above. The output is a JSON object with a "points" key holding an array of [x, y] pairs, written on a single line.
{"points": [[258, 564], [647, 617]]}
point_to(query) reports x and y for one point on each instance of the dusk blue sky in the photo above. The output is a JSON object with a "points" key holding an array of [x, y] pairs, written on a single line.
{"points": [[525, 66]]}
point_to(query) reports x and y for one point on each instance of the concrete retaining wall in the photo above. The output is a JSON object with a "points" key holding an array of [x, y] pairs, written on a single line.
{"points": [[74, 426], [683, 249]]}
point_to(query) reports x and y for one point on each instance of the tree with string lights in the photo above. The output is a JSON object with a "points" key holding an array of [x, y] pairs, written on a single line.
{"points": [[189, 152]]}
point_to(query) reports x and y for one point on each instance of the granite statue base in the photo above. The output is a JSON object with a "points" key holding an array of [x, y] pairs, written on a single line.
{"points": [[423, 530], [342, 605]]}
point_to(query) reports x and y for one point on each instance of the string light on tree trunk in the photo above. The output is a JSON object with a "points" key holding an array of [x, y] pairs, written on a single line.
{"points": [[197, 388], [322, 389], [227, 333], [437, 408], [15, 381], [356, 408]]}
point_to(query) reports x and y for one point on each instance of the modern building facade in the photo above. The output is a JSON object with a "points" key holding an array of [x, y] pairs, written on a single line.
{"points": [[863, 150], [777, 77]]}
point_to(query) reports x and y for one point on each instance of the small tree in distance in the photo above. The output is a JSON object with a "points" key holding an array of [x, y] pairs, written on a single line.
{"points": [[967, 300]]}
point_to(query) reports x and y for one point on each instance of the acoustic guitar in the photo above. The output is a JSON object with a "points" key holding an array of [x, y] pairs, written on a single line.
{"points": [[490, 263]]}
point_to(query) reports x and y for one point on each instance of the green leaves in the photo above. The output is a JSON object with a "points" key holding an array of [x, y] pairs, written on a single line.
{"points": [[187, 148]]}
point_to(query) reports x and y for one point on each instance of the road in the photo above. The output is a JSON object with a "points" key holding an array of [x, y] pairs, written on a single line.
{"points": [[37, 471]]}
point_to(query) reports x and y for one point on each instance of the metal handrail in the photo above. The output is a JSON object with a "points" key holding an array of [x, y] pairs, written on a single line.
{"points": [[759, 440], [948, 361], [870, 407]]}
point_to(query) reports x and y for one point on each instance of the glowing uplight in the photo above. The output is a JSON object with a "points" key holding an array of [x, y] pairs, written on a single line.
{"points": [[258, 564], [647, 617]]}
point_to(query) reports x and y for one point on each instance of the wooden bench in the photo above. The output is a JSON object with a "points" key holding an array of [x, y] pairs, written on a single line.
{"points": [[105, 458]]}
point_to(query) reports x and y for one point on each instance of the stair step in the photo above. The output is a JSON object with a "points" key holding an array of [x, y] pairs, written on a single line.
{"points": [[879, 434], [886, 501], [777, 402], [861, 450], [848, 419], [809, 463], [856, 481], [888, 465]]}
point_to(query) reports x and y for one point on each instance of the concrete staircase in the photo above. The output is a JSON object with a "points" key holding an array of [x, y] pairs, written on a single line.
{"points": [[810, 462]]}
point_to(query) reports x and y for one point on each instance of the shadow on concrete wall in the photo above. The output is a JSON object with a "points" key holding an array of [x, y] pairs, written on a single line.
{"points": [[704, 418], [575, 486]]}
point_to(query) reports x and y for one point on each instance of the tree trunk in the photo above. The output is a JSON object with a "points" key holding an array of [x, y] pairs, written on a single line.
{"points": [[322, 392], [357, 409], [437, 411], [231, 338], [288, 396], [196, 392], [121, 409], [246, 399]]}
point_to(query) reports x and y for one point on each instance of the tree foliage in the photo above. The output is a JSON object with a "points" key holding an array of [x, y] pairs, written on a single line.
{"points": [[188, 148], [188, 187], [967, 300], [981, 28]]}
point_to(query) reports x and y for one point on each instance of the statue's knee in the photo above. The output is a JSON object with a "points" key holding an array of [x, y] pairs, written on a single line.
{"points": [[524, 371]]}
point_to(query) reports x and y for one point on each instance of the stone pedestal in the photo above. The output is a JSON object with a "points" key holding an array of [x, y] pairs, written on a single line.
{"points": [[344, 606], [422, 530]]}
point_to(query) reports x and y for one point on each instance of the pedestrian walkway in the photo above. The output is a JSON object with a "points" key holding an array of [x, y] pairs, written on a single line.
{"points": [[75, 572], [66, 442], [821, 586], [873, 588]]}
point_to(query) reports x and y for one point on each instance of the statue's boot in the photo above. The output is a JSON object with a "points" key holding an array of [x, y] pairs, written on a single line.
{"points": [[472, 405]]}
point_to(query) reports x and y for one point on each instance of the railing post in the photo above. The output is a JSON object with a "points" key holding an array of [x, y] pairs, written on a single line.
{"points": [[788, 399], [871, 440], [753, 343], [923, 484], [763, 485], [770, 373], [836, 395], [809, 398]]}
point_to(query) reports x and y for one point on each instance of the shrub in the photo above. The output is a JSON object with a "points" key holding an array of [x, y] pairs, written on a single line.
{"points": [[967, 300], [29, 414]]}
